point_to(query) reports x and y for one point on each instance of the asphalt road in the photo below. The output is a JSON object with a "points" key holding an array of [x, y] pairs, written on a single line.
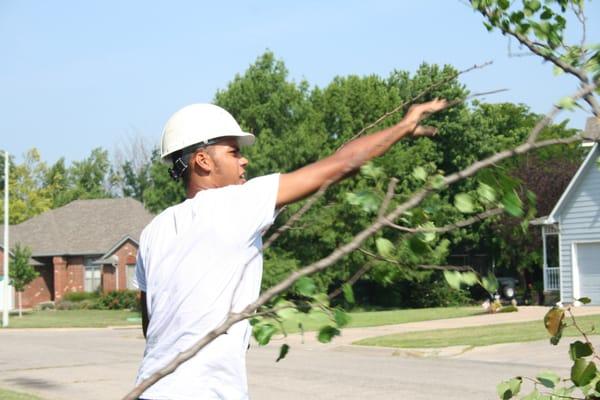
{"points": [[101, 364]]}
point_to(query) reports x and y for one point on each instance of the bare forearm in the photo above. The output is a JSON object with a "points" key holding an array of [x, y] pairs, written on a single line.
{"points": [[357, 152], [339, 165]]}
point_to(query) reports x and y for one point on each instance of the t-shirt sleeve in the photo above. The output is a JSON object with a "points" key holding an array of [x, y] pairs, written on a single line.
{"points": [[139, 279], [255, 203]]}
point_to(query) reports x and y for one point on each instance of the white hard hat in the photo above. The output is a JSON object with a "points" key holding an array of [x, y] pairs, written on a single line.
{"points": [[198, 124]]}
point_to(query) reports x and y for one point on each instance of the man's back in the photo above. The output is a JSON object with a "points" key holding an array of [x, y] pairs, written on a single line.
{"points": [[198, 261]]}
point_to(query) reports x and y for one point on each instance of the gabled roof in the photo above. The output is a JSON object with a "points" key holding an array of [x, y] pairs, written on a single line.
{"points": [[82, 227], [589, 162]]}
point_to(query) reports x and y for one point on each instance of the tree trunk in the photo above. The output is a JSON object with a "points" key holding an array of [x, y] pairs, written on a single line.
{"points": [[20, 305]]}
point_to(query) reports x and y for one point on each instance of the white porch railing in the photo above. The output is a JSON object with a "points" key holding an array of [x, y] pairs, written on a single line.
{"points": [[551, 279]]}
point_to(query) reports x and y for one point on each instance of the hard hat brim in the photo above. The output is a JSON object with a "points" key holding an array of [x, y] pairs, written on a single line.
{"points": [[243, 139]]}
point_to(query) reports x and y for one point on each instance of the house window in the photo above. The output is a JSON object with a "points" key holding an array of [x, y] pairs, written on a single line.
{"points": [[130, 276], [92, 275]]}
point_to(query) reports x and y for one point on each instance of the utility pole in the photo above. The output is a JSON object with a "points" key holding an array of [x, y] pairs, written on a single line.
{"points": [[6, 288]]}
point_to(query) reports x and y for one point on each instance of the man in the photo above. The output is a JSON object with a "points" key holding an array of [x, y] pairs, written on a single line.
{"points": [[201, 259]]}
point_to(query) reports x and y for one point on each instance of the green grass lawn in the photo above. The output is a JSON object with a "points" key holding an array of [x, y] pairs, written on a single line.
{"points": [[74, 319], [10, 395], [312, 322], [480, 336]]}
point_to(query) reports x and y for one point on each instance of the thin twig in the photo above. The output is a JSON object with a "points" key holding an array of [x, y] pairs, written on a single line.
{"points": [[391, 189], [421, 266], [585, 336], [584, 90], [353, 279], [428, 89], [447, 228]]}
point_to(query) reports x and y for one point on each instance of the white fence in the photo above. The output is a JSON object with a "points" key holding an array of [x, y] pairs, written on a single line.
{"points": [[551, 279]]}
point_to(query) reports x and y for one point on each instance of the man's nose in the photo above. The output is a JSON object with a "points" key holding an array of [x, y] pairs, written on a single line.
{"points": [[243, 161]]}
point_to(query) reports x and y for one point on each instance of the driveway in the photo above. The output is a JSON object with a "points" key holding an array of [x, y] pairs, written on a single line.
{"points": [[64, 364]]}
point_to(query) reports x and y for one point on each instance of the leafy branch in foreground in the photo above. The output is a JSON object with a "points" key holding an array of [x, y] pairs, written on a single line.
{"points": [[584, 379]]}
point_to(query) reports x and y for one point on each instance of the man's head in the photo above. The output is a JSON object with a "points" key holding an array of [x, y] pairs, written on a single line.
{"points": [[205, 140]]}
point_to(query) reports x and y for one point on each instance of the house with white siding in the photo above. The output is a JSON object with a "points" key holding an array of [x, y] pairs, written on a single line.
{"points": [[571, 236]]}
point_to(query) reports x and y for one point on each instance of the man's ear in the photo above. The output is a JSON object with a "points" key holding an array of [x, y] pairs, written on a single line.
{"points": [[201, 159]]}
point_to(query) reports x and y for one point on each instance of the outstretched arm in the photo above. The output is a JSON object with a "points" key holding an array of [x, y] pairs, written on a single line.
{"points": [[303, 182]]}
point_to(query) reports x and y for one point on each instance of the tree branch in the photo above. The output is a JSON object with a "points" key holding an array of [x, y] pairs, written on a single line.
{"points": [[535, 49], [422, 266], [447, 228]]}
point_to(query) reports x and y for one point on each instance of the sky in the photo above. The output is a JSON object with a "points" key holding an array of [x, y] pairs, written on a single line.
{"points": [[76, 75]]}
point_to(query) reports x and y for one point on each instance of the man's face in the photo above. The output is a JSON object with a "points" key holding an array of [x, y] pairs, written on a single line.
{"points": [[229, 164]]}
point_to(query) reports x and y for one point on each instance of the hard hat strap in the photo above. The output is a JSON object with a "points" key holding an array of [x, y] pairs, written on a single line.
{"points": [[179, 167]]}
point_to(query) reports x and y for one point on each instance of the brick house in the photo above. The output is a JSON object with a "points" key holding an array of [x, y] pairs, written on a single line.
{"points": [[86, 245]]}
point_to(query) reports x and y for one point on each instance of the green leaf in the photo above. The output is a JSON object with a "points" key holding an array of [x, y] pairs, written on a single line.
{"points": [[548, 378], [509, 389], [464, 203], [367, 200], [582, 372], [327, 333], [437, 182], [264, 332], [546, 14], [512, 204], [504, 4], [305, 286], [567, 103], [469, 278], [420, 173], [428, 236], [534, 395], [453, 278], [283, 350], [490, 283], [486, 193], [579, 349], [417, 245], [348, 293], [369, 169], [341, 317], [286, 309], [385, 248], [584, 300]]}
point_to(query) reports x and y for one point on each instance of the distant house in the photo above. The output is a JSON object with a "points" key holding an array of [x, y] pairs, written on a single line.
{"points": [[84, 246], [571, 236]]}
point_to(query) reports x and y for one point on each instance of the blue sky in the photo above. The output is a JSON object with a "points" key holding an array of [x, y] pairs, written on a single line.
{"points": [[82, 74]]}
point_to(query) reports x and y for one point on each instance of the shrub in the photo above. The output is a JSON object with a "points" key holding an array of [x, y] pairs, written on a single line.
{"points": [[430, 291], [119, 300], [46, 305], [80, 296], [66, 305]]}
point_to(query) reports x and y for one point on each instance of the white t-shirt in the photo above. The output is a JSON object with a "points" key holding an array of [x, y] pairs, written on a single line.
{"points": [[197, 260]]}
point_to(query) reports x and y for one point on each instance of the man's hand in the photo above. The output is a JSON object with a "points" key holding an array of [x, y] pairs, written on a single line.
{"points": [[417, 112]]}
